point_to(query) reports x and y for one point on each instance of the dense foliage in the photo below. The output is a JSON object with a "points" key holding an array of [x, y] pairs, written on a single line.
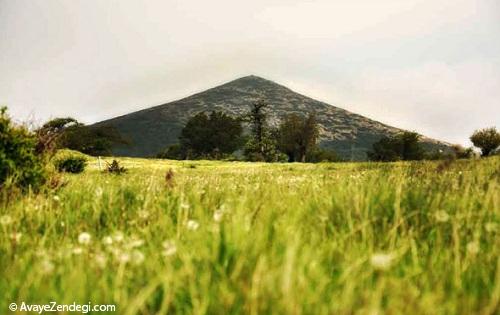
{"points": [[20, 165], [71, 164], [298, 136], [210, 136], [91, 140], [403, 146], [488, 140]]}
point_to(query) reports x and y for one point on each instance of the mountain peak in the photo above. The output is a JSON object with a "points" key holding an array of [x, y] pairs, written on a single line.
{"points": [[153, 129]]}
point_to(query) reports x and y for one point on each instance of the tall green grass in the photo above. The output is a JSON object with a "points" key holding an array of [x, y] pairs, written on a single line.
{"points": [[233, 238]]}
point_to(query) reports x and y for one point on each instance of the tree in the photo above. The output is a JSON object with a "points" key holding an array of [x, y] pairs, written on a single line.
{"points": [[298, 136], [213, 135], [488, 140], [69, 133], [262, 144], [404, 146], [50, 133]]}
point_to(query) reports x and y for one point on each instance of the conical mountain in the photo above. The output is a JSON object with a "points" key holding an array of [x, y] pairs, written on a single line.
{"points": [[152, 130]]}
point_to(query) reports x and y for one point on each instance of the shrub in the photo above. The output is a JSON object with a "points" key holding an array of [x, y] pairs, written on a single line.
{"points": [[72, 164], [115, 168], [20, 165], [322, 155]]}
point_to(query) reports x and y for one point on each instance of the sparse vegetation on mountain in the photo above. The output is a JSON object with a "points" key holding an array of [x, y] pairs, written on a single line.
{"points": [[488, 140], [403, 146]]}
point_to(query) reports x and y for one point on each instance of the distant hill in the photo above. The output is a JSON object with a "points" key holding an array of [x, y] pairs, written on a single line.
{"points": [[153, 129]]}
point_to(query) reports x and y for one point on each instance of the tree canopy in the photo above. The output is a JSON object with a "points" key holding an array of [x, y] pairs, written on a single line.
{"points": [[403, 146], [69, 133], [213, 135], [298, 136], [488, 140]]}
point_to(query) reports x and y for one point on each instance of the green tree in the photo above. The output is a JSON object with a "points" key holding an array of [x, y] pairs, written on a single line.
{"points": [[298, 136], [214, 135], [488, 140], [262, 145], [71, 134], [403, 146]]}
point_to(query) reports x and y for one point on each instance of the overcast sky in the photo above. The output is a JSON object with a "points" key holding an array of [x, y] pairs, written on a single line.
{"points": [[425, 65]]}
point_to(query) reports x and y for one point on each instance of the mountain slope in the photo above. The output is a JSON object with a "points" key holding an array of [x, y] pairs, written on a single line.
{"points": [[151, 130]]}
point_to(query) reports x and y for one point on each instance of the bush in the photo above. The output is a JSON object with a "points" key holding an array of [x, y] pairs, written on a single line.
{"points": [[20, 166], [72, 164], [115, 168], [322, 155]]}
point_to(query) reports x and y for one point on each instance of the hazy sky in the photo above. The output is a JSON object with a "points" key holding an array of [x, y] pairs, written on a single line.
{"points": [[425, 65]]}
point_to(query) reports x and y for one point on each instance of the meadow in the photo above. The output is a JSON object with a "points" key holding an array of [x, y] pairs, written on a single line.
{"points": [[255, 238]]}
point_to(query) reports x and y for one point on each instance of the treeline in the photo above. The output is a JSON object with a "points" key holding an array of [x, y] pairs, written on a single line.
{"points": [[218, 136], [406, 146], [71, 134]]}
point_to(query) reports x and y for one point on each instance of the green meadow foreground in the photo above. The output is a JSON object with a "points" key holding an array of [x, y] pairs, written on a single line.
{"points": [[231, 238]]}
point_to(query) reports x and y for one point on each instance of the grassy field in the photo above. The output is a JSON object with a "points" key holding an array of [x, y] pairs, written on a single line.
{"points": [[231, 238]]}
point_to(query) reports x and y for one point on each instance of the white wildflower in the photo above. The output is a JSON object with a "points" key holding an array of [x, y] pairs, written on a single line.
{"points": [[473, 247], [5, 220], [124, 257], [84, 238], [442, 216], [107, 240], [184, 205], [56, 198], [47, 266], [118, 237], [100, 260], [192, 225], [218, 215], [135, 243], [169, 248], [98, 191], [137, 257], [381, 261]]}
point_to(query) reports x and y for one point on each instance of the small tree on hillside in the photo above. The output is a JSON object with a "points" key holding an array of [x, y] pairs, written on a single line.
{"points": [[488, 140]]}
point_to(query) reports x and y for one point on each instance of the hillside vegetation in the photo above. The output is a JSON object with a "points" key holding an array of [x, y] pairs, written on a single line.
{"points": [[254, 238]]}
